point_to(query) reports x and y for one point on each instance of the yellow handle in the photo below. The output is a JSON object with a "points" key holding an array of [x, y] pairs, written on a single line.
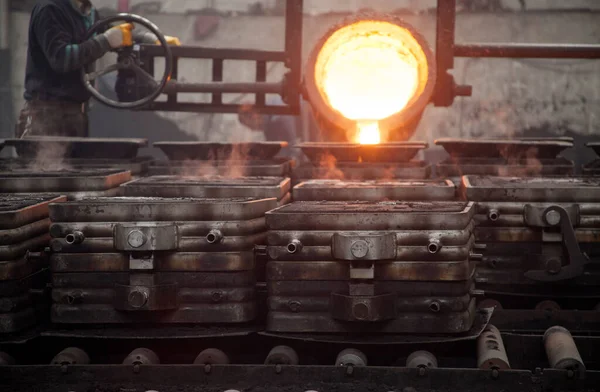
{"points": [[126, 31]]}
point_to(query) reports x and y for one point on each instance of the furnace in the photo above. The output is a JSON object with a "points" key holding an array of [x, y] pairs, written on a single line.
{"points": [[386, 267], [24, 228], [155, 260]]}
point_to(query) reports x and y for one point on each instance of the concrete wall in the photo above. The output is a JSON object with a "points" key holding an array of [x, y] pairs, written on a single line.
{"points": [[509, 96]]}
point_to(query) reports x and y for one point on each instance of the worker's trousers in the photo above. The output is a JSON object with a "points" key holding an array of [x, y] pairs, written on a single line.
{"points": [[52, 118]]}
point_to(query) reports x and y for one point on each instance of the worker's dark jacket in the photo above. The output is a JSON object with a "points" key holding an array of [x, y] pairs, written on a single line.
{"points": [[56, 53]]}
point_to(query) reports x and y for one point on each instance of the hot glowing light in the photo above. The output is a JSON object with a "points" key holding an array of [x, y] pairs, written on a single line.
{"points": [[370, 70], [368, 132]]}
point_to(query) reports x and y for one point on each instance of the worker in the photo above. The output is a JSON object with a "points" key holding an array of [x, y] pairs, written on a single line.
{"points": [[274, 127], [55, 97]]}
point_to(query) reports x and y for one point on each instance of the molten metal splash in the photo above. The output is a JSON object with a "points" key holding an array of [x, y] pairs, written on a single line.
{"points": [[368, 71]]}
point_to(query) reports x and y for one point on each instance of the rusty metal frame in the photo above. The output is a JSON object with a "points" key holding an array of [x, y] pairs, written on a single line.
{"points": [[447, 49], [263, 378], [290, 87]]}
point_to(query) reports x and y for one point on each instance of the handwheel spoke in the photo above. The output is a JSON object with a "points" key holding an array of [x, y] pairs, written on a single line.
{"points": [[96, 74], [145, 75]]}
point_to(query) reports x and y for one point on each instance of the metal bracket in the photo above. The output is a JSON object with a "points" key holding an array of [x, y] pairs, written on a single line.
{"points": [[136, 237], [363, 246], [536, 216], [556, 216]]}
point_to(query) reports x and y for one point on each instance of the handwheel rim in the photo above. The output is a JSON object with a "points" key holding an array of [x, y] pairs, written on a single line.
{"points": [[166, 74]]}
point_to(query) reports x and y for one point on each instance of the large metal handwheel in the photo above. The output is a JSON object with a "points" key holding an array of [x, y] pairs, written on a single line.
{"points": [[127, 61]]}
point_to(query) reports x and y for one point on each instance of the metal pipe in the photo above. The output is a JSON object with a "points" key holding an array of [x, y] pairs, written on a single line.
{"points": [[421, 359], [434, 246], [491, 353], [539, 51], [351, 357], [71, 356], [223, 88], [294, 246], [214, 236], [141, 356], [561, 350], [282, 355], [196, 52], [192, 107], [75, 238]]}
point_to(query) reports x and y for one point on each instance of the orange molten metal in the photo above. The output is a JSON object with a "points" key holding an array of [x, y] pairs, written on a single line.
{"points": [[369, 71]]}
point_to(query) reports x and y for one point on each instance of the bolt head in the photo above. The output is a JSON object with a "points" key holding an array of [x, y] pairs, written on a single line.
{"points": [[360, 311], [553, 217], [359, 249], [136, 238], [137, 299], [553, 266]]}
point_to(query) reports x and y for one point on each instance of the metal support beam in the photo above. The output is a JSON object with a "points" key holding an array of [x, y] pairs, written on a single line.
{"points": [[444, 49], [293, 52], [6, 99], [539, 51]]}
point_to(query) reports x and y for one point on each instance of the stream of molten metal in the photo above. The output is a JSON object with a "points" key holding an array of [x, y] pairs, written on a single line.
{"points": [[367, 74]]}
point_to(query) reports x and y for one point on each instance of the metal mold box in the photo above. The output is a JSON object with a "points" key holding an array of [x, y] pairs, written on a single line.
{"points": [[438, 273], [542, 189], [187, 229], [84, 180], [152, 260], [17, 250], [592, 168], [456, 167], [318, 152], [196, 150], [148, 209], [76, 147], [418, 170], [137, 166], [530, 148], [594, 146], [25, 232], [276, 167], [378, 190], [402, 238], [209, 187], [389, 215], [406, 322], [174, 262], [17, 211]]}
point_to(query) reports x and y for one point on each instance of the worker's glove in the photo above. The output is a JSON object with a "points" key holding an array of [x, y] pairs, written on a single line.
{"points": [[119, 36], [150, 38], [171, 41]]}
